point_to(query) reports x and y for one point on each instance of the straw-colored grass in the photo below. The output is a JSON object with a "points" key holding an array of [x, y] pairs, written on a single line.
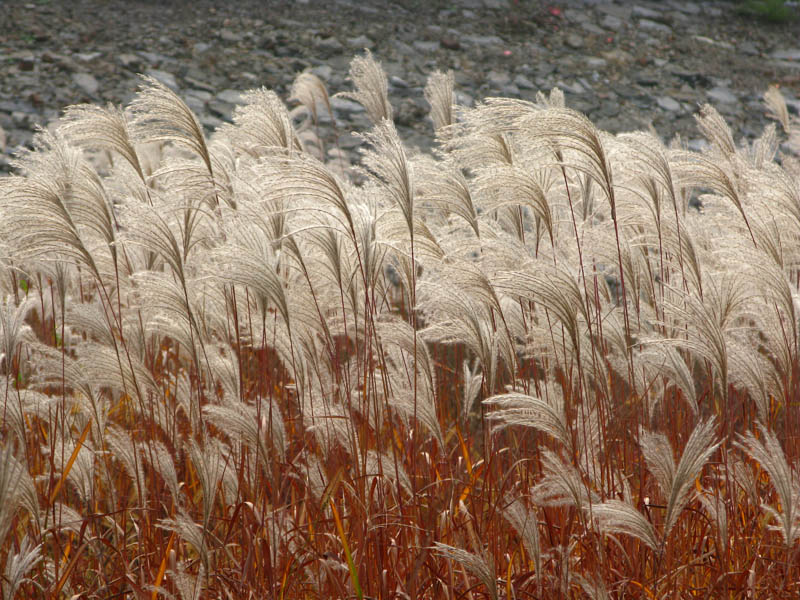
{"points": [[546, 362]]}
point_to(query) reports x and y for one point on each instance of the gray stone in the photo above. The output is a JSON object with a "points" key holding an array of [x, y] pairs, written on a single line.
{"points": [[668, 103], [128, 60], [689, 8], [200, 84], [87, 56], [748, 48], [611, 22], [330, 44], [360, 42], [154, 58], [231, 97], [498, 79], [620, 11], [209, 122], [86, 82], [483, 40], [344, 105], [649, 25], [642, 12], [523, 82], [398, 82], [575, 88], [324, 72], [426, 47], [722, 95], [574, 41], [165, 77], [226, 35], [201, 95], [221, 109], [592, 28], [787, 54], [595, 62]]}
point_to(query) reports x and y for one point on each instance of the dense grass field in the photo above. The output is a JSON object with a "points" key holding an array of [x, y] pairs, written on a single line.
{"points": [[546, 362]]}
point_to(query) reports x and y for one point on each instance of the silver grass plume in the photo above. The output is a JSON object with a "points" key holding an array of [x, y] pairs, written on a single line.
{"points": [[439, 94], [191, 532], [712, 125], [401, 336], [547, 416], [104, 128], [257, 427], [480, 566], [446, 187], [262, 124], [776, 106], [48, 212], [13, 330], [524, 521], [16, 490], [674, 480], [159, 115], [372, 88], [17, 567], [190, 587], [209, 464], [123, 449], [388, 162], [768, 453], [472, 379], [618, 516], [310, 91], [378, 463], [161, 461], [562, 485], [554, 288]]}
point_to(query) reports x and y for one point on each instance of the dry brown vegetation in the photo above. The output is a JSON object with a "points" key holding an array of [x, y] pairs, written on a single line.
{"points": [[546, 363]]}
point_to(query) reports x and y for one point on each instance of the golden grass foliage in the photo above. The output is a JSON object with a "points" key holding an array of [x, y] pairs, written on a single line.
{"points": [[548, 362]]}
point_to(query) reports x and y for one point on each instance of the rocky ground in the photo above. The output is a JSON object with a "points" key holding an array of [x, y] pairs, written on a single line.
{"points": [[626, 64]]}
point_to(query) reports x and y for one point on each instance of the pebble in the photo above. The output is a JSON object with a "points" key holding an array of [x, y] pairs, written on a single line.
{"points": [[611, 22], [230, 96], [426, 47], [360, 42], [649, 25], [787, 54], [168, 79], [574, 41], [498, 79], [646, 13], [523, 82], [344, 105], [86, 82], [609, 56], [668, 103], [722, 95]]}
